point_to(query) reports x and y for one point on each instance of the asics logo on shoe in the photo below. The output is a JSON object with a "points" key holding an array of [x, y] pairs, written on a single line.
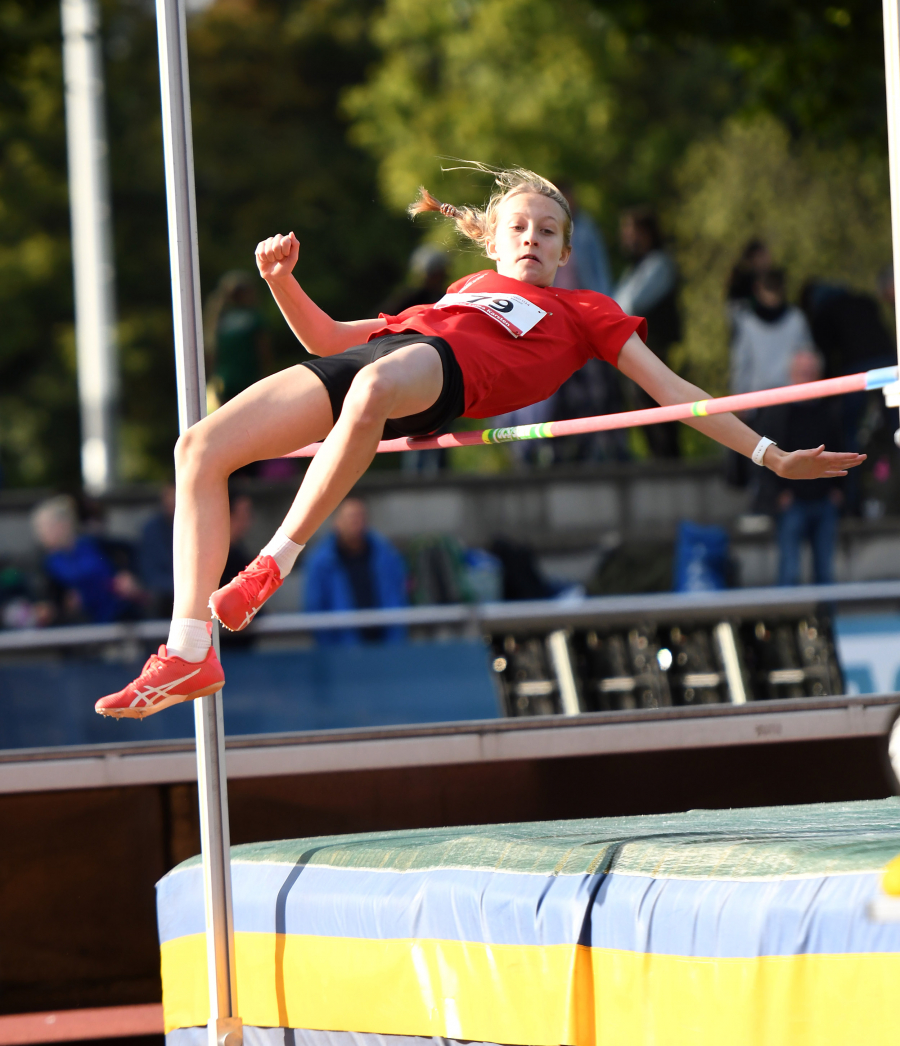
{"points": [[249, 616], [159, 692]]}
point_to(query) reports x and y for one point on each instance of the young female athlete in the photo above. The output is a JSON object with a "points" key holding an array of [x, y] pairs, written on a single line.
{"points": [[498, 341]]}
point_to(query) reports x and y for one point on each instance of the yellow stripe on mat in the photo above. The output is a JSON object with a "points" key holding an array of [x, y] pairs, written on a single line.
{"points": [[526, 994]]}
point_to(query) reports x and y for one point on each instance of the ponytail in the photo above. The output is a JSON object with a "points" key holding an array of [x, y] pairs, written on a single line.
{"points": [[470, 222], [478, 223]]}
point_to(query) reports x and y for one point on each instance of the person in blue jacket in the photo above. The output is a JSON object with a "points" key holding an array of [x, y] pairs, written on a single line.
{"points": [[355, 569]]}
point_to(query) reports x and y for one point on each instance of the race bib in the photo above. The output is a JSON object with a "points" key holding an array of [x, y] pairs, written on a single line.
{"points": [[517, 314]]}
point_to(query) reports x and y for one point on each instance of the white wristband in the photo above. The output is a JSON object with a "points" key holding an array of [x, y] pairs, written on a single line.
{"points": [[761, 449]]}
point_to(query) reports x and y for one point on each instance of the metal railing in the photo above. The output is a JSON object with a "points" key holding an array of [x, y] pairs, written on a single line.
{"points": [[481, 618]]}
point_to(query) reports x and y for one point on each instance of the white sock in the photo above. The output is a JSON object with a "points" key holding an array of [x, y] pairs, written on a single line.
{"points": [[283, 551], [188, 638]]}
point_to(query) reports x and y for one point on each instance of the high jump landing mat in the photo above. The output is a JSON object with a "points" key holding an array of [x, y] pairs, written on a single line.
{"points": [[746, 927]]}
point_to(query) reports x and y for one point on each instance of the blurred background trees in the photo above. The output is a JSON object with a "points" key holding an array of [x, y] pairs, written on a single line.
{"points": [[823, 211], [324, 115]]}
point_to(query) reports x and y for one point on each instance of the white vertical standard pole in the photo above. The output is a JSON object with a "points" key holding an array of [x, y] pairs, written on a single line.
{"points": [[892, 86], [92, 256], [224, 1027]]}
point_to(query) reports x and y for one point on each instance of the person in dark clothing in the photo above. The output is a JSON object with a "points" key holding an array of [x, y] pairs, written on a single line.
{"points": [[649, 288], [804, 511], [847, 327], [849, 330], [237, 334], [755, 259], [154, 554], [355, 569]]}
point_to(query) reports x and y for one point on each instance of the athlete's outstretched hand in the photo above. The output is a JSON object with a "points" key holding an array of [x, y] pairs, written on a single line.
{"points": [[277, 256], [814, 464]]}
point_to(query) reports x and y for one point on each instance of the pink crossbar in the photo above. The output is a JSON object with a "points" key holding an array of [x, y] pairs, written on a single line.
{"points": [[627, 419]]}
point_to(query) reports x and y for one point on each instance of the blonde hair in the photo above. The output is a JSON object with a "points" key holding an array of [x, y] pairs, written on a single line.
{"points": [[478, 223]]}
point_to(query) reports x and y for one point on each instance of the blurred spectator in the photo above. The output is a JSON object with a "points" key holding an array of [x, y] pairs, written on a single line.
{"points": [[426, 280], [18, 607], [649, 288], [594, 389], [235, 329], [87, 586], [155, 556], [588, 264], [847, 328], [354, 568], [755, 259], [766, 333], [804, 509]]}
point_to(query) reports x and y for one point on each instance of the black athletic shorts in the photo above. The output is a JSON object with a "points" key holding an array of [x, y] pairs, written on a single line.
{"points": [[337, 372]]}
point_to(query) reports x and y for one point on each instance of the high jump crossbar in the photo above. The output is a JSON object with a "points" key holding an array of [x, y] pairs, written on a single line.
{"points": [[881, 378]]}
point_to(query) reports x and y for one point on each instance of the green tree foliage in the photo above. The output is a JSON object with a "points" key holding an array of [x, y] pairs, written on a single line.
{"points": [[558, 87], [271, 154], [608, 93], [816, 65], [38, 411], [824, 213]]}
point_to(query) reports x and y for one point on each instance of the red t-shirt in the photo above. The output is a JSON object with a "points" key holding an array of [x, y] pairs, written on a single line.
{"points": [[502, 372]]}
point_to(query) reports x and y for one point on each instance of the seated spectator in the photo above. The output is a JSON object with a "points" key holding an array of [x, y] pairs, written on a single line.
{"points": [[86, 584], [766, 333], [804, 510], [354, 568], [155, 556]]}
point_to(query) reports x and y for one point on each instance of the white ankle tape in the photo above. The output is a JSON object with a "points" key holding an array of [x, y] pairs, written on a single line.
{"points": [[283, 551]]}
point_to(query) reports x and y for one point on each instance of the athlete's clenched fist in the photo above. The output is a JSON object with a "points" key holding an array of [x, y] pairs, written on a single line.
{"points": [[277, 256]]}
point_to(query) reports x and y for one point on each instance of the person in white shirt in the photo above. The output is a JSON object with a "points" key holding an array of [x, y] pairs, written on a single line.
{"points": [[767, 333]]}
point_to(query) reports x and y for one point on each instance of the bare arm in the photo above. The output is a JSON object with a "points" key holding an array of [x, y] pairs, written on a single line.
{"points": [[637, 362], [319, 333]]}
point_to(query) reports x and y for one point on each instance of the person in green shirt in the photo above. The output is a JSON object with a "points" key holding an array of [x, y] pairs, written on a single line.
{"points": [[237, 334]]}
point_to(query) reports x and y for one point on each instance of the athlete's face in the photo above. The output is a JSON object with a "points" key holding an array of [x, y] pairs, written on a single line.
{"points": [[528, 241]]}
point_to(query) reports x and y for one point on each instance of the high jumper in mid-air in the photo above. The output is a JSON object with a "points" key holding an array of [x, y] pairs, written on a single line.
{"points": [[499, 340]]}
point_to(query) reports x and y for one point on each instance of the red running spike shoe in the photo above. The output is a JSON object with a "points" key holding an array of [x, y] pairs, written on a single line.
{"points": [[165, 680], [237, 603]]}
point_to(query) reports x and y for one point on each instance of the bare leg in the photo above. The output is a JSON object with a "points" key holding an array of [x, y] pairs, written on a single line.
{"points": [[271, 418], [406, 382]]}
